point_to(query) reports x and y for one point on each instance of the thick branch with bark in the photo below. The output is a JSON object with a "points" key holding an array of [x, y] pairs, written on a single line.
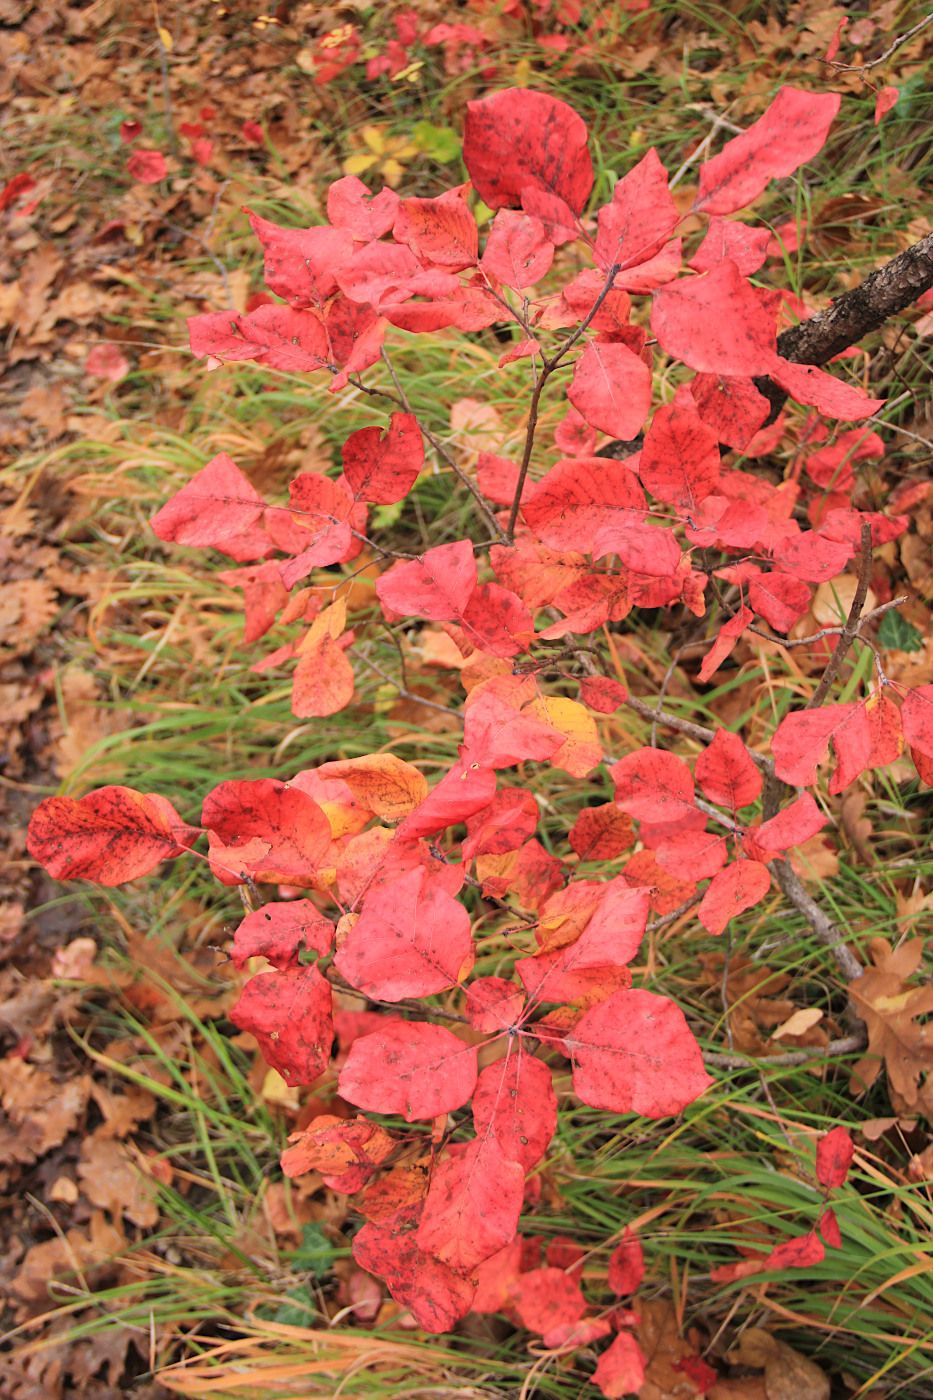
{"points": [[886, 292]]}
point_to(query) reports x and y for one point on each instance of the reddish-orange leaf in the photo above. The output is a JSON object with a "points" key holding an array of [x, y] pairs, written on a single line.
{"points": [[435, 1296], [834, 1153], [886, 99], [493, 1004], [495, 1277], [679, 462], [653, 785], [579, 496], [264, 830], [829, 1228], [601, 833], [468, 787], [917, 719], [797, 1253], [792, 826], [289, 1013], [380, 782], [668, 891], [382, 464], [411, 1068], [547, 1298], [627, 1264], [473, 1205], [218, 501], [112, 835], [884, 722], [441, 231], [603, 694], [634, 1053], [346, 1151], [515, 1105], [802, 739], [279, 932], [621, 1368], [518, 251], [436, 586], [411, 940], [726, 773], [729, 634], [504, 825], [737, 887], [323, 681]]}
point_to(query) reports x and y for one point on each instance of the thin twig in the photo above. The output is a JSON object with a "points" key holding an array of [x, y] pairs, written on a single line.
{"points": [[847, 1045], [824, 928], [692, 731], [403, 693], [675, 914], [852, 623], [864, 67]]}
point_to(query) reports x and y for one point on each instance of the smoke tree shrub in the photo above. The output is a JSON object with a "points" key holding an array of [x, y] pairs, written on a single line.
{"points": [[384, 859]]}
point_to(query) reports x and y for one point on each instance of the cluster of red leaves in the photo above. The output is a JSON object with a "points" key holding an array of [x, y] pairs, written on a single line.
{"points": [[356, 833], [149, 166]]}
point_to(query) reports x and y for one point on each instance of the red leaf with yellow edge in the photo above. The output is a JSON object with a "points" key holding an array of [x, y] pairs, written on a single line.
{"points": [[611, 387], [411, 1068], [518, 251], [382, 464], [739, 886], [435, 1296], [792, 131], [437, 586], [601, 833], [380, 782], [603, 694], [726, 773], [519, 139], [501, 734], [634, 1053], [218, 501], [515, 1105], [264, 830], [834, 1153], [493, 1004], [653, 785], [547, 1298], [621, 1368], [279, 932], [347, 1152], [472, 1207], [112, 835], [627, 1264], [290, 1015], [504, 825], [409, 941], [679, 462]]}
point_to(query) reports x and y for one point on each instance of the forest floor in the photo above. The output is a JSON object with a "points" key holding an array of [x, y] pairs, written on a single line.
{"points": [[148, 1243]]}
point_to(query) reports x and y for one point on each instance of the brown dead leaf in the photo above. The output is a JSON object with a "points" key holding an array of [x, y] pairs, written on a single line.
{"points": [[112, 1179], [46, 404], [43, 1110], [40, 271], [87, 721], [122, 1111], [660, 1340], [788, 1374], [27, 607], [889, 1006]]}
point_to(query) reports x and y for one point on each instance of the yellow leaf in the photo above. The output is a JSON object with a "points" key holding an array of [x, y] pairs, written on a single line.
{"points": [[522, 73], [166, 40], [355, 165], [385, 784], [374, 138], [799, 1023], [581, 751], [392, 172]]}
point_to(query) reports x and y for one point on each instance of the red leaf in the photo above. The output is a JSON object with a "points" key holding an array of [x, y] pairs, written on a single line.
{"points": [[634, 1053], [601, 833], [277, 336], [499, 734], [792, 130], [518, 251], [884, 722], [796, 1253], [577, 1334], [435, 1296], [679, 462], [497, 479], [253, 134], [347, 1153], [779, 599], [829, 1228], [382, 465], [885, 100], [107, 362], [496, 621], [747, 247], [792, 826], [367, 216], [718, 324], [148, 167], [611, 387], [517, 140], [603, 694], [702, 853], [472, 1207], [411, 1068], [810, 556], [737, 887], [493, 1004], [831, 396], [653, 785], [279, 932], [834, 1153], [442, 230], [578, 497], [638, 220], [437, 586], [409, 941], [731, 406], [547, 1298], [696, 1369], [111, 835], [467, 788], [266, 830], [300, 262], [802, 739], [516, 1107], [503, 826], [218, 501], [621, 1368], [129, 131], [560, 222], [627, 1264], [289, 1013], [726, 773], [917, 719]]}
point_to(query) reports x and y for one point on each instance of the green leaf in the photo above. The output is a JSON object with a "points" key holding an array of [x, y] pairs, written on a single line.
{"points": [[897, 634], [440, 142]]}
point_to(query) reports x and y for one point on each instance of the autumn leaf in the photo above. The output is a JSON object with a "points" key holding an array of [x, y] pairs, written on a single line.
{"points": [[111, 835], [290, 1015], [411, 1068], [472, 1207], [518, 139]]}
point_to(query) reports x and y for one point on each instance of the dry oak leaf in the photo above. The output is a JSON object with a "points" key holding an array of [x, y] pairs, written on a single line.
{"points": [[42, 1110], [889, 1007], [110, 1178]]}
